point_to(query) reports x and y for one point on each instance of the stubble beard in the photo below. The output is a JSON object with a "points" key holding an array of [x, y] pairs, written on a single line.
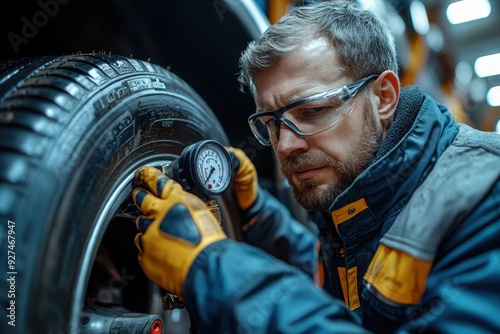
{"points": [[307, 192]]}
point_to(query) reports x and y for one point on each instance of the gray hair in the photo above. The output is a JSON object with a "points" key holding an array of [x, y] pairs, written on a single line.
{"points": [[364, 43]]}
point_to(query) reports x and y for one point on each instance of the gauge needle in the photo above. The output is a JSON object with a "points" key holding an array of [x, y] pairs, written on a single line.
{"points": [[212, 169]]}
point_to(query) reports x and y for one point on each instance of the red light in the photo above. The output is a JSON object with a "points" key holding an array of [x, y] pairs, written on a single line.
{"points": [[156, 327]]}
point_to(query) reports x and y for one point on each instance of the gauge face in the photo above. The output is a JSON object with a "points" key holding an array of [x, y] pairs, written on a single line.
{"points": [[213, 168]]}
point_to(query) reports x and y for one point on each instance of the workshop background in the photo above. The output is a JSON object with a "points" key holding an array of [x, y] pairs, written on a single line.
{"points": [[453, 58], [201, 41]]}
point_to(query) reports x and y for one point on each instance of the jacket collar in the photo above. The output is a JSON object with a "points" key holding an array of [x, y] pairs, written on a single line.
{"points": [[405, 157]]}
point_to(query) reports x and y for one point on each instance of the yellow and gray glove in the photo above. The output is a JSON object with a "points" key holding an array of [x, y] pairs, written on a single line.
{"points": [[245, 178], [174, 228]]}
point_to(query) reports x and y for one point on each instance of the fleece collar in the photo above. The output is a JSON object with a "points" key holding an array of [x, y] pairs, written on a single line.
{"points": [[412, 145]]}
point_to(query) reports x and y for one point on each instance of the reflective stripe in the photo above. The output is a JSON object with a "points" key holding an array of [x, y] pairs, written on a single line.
{"points": [[348, 211], [398, 276], [349, 283], [320, 274], [319, 277], [460, 179], [343, 283], [352, 275], [349, 278]]}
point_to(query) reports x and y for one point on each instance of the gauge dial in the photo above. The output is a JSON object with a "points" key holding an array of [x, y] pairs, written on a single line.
{"points": [[203, 168], [213, 168]]}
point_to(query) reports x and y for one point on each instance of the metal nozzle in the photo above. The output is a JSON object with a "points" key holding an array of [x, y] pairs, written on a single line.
{"points": [[167, 170]]}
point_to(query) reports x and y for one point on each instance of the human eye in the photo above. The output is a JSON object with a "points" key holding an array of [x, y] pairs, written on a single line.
{"points": [[315, 110], [267, 120], [311, 111]]}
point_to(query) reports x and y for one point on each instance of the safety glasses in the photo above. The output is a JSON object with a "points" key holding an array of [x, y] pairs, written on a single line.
{"points": [[308, 116]]}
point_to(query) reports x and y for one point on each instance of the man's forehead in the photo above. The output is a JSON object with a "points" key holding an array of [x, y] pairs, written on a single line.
{"points": [[311, 68], [318, 44]]}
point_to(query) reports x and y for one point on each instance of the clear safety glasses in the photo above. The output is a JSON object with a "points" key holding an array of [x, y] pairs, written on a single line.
{"points": [[308, 116]]}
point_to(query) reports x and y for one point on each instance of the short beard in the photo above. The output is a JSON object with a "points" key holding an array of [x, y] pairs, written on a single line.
{"points": [[313, 198]]}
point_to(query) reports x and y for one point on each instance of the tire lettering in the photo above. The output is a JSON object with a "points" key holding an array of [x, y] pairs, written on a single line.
{"points": [[145, 83], [111, 98]]}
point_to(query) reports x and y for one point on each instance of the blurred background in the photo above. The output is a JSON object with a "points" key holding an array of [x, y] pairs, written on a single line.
{"points": [[450, 48]]}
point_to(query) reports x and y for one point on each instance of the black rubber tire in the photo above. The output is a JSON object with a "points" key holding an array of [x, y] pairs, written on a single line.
{"points": [[73, 129]]}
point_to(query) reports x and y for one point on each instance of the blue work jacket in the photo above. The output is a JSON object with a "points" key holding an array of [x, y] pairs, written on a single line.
{"points": [[413, 245]]}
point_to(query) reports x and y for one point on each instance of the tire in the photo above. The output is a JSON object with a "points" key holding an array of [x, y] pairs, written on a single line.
{"points": [[73, 129]]}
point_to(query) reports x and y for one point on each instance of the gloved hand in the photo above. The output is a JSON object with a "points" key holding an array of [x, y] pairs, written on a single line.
{"points": [[244, 177], [175, 227]]}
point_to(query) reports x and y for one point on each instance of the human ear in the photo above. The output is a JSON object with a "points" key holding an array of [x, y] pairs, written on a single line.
{"points": [[386, 88]]}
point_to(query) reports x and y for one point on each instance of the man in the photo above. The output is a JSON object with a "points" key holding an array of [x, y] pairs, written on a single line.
{"points": [[406, 201]]}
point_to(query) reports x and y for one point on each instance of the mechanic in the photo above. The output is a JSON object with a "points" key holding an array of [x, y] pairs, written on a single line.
{"points": [[405, 201]]}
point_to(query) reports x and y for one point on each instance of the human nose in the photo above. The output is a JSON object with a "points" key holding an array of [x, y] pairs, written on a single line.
{"points": [[289, 142]]}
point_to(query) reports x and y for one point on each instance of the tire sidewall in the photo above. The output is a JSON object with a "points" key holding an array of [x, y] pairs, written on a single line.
{"points": [[85, 174]]}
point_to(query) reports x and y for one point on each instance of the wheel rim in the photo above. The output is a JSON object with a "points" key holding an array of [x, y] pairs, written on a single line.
{"points": [[107, 213]]}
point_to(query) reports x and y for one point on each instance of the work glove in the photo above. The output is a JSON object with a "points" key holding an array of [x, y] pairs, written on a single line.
{"points": [[174, 228], [245, 178]]}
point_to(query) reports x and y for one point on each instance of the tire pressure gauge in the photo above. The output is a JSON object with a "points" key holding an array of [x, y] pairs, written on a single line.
{"points": [[203, 168]]}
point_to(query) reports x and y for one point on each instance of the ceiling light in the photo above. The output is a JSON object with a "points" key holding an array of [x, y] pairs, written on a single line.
{"points": [[467, 10], [419, 17], [487, 65], [478, 90], [435, 38], [463, 73], [493, 96]]}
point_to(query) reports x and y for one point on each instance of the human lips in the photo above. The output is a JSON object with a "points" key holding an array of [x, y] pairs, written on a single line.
{"points": [[308, 172]]}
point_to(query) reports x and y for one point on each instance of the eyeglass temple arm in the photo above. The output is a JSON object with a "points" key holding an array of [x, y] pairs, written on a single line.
{"points": [[356, 86]]}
